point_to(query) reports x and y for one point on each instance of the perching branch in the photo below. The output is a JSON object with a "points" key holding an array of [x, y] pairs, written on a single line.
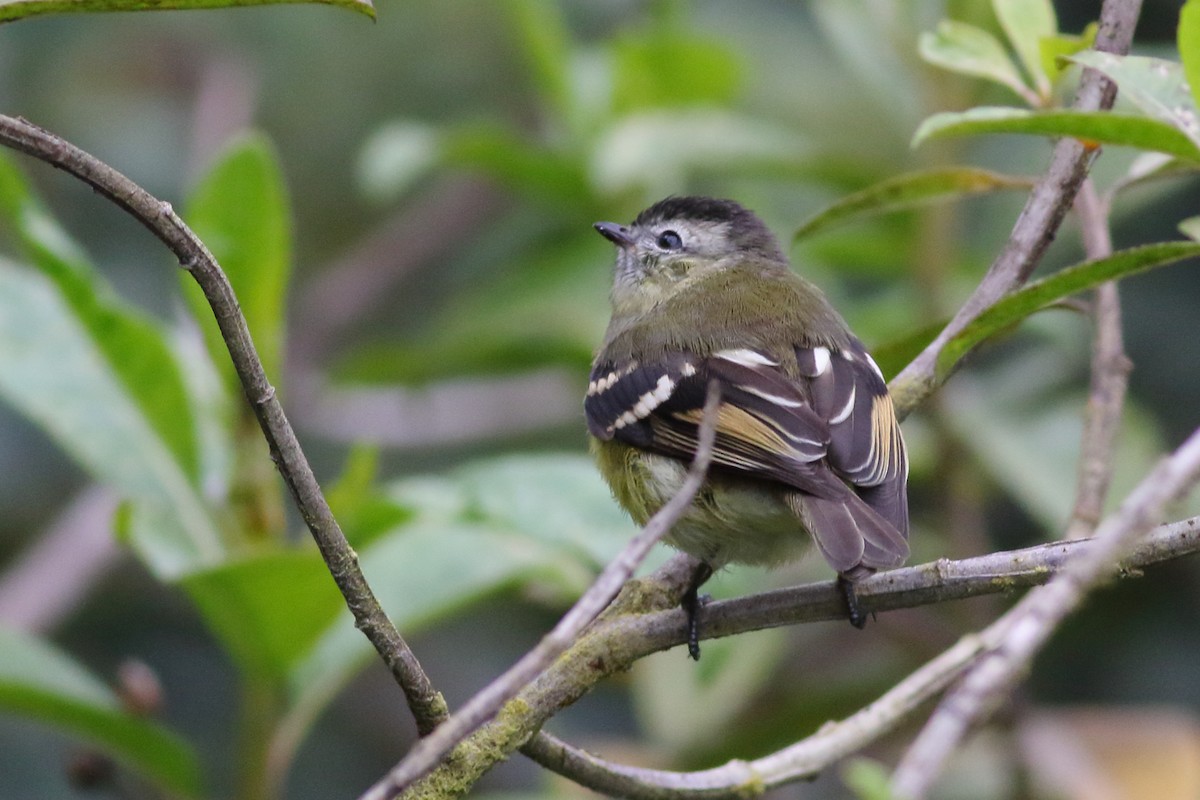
{"points": [[159, 217], [645, 618], [426, 754], [1041, 217]]}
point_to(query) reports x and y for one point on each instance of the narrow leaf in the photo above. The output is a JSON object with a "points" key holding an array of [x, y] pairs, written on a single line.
{"points": [[969, 50], [1038, 295], [19, 9], [42, 683], [240, 210], [135, 346], [1154, 85], [908, 191], [53, 372], [1027, 23], [1189, 46], [1098, 127]]}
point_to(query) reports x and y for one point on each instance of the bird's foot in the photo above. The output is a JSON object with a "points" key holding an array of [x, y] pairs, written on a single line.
{"points": [[854, 611], [692, 602]]}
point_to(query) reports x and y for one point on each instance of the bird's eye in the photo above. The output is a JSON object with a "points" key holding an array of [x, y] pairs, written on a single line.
{"points": [[669, 240]]}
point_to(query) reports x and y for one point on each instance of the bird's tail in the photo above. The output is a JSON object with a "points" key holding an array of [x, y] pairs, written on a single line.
{"points": [[852, 536]]}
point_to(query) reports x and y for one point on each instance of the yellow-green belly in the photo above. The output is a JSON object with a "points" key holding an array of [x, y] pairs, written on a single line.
{"points": [[730, 521]]}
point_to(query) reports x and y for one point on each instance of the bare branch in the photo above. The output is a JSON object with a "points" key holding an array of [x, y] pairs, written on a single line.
{"points": [[426, 754], [1110, 375], [426, 703], [1024, 629], [1039, 219]]}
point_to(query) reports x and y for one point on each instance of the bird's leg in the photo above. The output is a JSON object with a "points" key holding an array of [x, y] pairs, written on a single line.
{"points": [[692, 602], [857, 616]]}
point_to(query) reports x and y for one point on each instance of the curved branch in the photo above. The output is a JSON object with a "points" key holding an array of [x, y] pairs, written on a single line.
{"points": [[159, 217]]}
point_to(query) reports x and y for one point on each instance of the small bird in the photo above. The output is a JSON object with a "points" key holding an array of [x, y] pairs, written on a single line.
{"points": [[807, 442]]}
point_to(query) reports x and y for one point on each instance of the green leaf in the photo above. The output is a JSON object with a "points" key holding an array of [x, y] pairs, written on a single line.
{"points": [[909, 191], [867, 778], [545, 42], [522, 166], [1099, 127], [268, 610], [491, 524], [1190, 228], [654, 152], [240, 210], [1057, 48], [1188, 37], [54, 372], [396, 156], [969, 50], [135, 347], [42, 683], [1015, 307], [19, 9], [893, 356], [1154, 85], [1027, 23], [421, 573], [663, 68]]}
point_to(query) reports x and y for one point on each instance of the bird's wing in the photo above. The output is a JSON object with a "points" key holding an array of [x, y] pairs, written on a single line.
{"points": [[865, 446], [765, 425]]}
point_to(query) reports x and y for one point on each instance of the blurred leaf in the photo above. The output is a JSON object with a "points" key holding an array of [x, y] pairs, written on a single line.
{"points": [[542, 308], [362, 511], [521, 165], [663, 68], [134, 346], [1190, 228], [867, 778], [1152, 166], [18, 9], [421, 573], [650, 154], [240, 210], [1039, 294], [1154, 85], [491, 524], [1098, 127], [558, 499], [45, 684], [969, 50], [268, 610], [546, 43], [1027, 23], [1056, 48], [1188, 37], [910, 190], [396, 156], [53, 371]]}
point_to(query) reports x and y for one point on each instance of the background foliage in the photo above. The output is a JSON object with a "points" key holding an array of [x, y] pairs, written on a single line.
{"points": [[404, 210]]}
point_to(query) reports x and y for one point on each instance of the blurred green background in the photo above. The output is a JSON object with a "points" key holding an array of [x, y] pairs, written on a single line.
{"points": [[443, 167]]}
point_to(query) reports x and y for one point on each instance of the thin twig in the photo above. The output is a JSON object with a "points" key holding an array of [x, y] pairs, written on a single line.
{"points": [[1026, 627], [1110, 375], [1034, 229], [425, 702], [426, 754]]}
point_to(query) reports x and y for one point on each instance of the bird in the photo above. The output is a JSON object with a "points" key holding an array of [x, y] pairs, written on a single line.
{"points": [[807, 444]]}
